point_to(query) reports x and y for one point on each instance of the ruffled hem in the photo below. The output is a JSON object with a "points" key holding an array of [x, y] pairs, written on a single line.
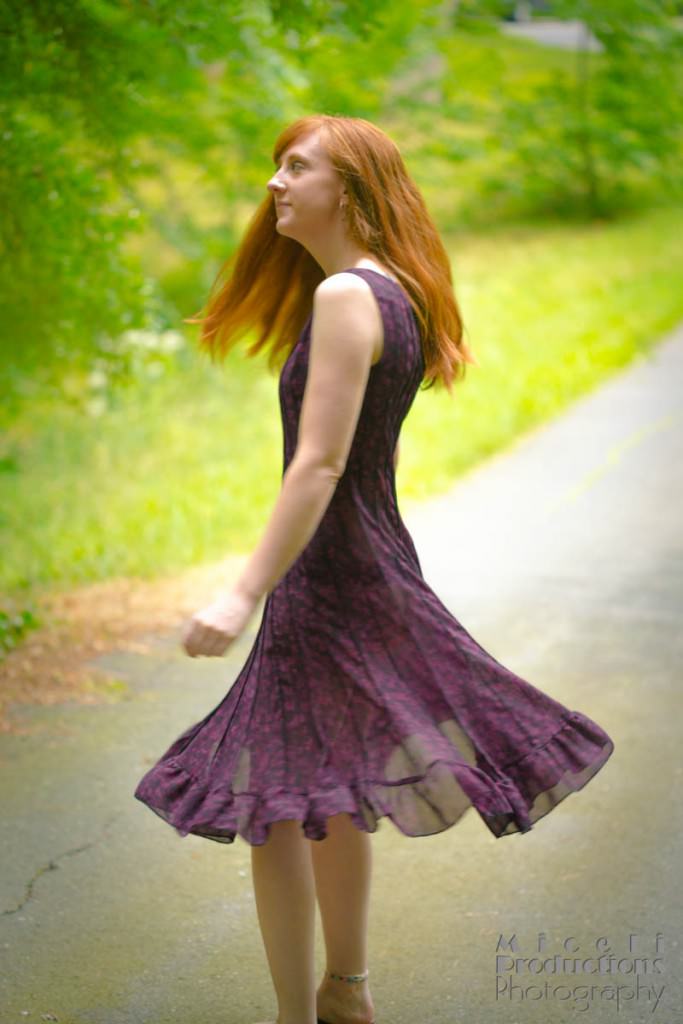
{"points": [[540, 780], [509, 800]]}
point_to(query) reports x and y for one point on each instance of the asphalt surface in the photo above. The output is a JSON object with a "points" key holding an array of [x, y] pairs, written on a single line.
{"points": [[571, 34], [563, 556]]}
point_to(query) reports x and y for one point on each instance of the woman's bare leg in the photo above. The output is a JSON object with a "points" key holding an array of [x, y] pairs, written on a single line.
{"points": [[284, 890], [342, 866]]}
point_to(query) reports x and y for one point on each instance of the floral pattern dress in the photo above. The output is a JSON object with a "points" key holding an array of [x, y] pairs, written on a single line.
{"points": [[362, 693]]}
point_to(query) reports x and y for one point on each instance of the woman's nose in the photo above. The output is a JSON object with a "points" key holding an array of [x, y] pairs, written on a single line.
{"points": [[274, 185]]}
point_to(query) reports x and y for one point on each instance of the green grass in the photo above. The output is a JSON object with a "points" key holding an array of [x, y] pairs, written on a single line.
{"points": [[550, 312], [450, 143], [185, 467]]}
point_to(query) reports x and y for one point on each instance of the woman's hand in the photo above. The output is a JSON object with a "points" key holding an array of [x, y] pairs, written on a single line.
{"points": [[214, 628]]}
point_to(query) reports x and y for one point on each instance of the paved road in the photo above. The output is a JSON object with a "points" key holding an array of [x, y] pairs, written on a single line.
{"points": [[564, 557], [567, 35]]}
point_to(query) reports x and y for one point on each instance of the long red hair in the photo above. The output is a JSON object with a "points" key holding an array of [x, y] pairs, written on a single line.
{"points": [[268, 282]]}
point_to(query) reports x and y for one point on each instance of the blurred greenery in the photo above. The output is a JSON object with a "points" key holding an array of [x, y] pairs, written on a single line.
{"points": [[180, 462], [137, 141]]}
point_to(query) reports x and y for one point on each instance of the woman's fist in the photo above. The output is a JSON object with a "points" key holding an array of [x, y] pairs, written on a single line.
{"points": [[214, 628]]}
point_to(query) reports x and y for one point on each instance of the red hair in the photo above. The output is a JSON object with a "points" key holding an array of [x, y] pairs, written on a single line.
{"points": [[268, 282]]}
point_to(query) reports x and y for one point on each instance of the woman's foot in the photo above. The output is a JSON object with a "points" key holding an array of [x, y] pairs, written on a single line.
{"points": [[339, 1002]]}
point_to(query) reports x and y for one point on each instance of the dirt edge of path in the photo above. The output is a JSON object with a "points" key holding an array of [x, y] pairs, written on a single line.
{"points": [[51, 666]]}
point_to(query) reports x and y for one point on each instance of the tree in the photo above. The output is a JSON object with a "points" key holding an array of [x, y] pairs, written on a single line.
{"points": [[98, 97], [591, 139]]}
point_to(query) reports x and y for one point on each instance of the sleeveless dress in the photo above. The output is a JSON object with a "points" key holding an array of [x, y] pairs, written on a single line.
{"points": [[362, 693]]}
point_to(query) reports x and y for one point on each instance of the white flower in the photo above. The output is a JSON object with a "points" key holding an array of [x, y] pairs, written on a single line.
{"points": [[97, 379], [96, 406], [171, 341]]}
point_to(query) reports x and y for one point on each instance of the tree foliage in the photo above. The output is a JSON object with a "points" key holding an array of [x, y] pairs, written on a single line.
{"points": [[587, 137], [102, 102], [98, 97]]}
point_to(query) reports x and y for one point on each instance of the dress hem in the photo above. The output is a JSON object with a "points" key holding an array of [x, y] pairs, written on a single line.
{"points": [[509, 800]]}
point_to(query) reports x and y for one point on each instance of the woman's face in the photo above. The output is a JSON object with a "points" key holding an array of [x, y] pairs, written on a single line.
{"points": [[306, 190]]}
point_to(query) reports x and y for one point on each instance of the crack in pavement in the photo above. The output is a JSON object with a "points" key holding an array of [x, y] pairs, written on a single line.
{"points": [[53, 864]]}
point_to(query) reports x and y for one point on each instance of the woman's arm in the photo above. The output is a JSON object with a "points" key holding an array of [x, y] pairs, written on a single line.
{"points": [[346, 319]]}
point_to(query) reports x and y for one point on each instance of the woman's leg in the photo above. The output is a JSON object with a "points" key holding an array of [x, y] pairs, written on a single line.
{"points": [[285, 902], [342, 866]]}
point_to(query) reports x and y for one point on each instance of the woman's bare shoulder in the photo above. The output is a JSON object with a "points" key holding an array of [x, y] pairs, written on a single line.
{"points": [[343, 283]]}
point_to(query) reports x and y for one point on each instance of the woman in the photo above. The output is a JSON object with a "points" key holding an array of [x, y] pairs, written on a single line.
{"points": [[362, 696]]}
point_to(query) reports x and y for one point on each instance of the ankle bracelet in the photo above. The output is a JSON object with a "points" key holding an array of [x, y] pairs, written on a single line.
{"points": [[349, 977]]}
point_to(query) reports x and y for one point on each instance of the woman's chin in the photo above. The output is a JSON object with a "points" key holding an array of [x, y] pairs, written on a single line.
{"points": [[282, 229]]}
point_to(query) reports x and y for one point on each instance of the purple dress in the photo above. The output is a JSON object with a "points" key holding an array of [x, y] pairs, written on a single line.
{"points": [[362, 693]]}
